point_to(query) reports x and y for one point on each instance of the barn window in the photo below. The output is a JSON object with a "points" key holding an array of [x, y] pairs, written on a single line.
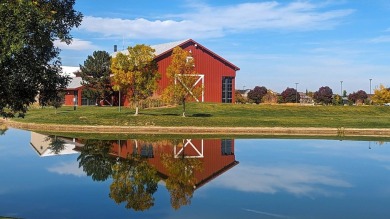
{"points": [[227, 147], [190, 59], [227, 87], [147, 151]]}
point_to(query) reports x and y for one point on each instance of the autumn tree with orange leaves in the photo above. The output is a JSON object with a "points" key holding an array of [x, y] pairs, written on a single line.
{"points": [[182, 78]]}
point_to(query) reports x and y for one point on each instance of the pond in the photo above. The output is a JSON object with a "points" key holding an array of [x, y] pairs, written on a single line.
{"points": [[56, 177]]}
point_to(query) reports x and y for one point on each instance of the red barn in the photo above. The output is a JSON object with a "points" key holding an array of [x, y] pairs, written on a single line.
{"points": [[216, 74]]}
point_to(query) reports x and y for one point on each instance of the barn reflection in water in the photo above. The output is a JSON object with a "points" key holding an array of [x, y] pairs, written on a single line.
{"points": [[138, 166]]}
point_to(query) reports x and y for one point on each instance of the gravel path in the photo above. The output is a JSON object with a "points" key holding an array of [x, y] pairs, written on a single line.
{"points": [[202, 130]]}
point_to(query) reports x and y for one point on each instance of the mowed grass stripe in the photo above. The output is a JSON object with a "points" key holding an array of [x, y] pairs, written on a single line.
{"points": [[219, 115]]}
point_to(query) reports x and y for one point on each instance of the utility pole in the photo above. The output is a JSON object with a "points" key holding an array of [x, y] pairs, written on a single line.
{"points": [[296, 92]]}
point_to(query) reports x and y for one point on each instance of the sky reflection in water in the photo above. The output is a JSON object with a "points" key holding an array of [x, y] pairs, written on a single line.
{"points": [[269, 178]]}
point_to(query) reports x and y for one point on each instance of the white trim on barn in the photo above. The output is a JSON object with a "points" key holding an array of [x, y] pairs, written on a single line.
{"points": [[201, 78], [188, 142]]}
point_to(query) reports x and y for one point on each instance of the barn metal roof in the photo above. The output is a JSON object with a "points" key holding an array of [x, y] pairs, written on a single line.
{"points": [[161, 49], [74, 83]]}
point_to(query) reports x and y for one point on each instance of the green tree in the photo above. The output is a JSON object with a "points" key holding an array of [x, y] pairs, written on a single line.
{"points": [[95, 159], [29, 62], [96, 76], [257, 94], [381, 95], [182, 78], [51, 93], [136, 73], [57, 101], [337, 100]]}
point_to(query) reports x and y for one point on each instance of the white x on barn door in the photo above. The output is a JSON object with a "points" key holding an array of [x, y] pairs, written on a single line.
{"points": [[198, 149], [200, 79]]}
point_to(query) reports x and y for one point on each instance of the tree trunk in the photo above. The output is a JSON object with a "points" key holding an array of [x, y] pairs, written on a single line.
{"points": [[184, 107], [136, 109]]}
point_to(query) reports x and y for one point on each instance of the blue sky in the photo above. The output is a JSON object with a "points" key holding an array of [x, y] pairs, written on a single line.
{"points": [[275, 43]]}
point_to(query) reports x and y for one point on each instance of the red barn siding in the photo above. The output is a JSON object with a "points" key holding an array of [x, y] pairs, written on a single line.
{"points": [[69, 95], [207, 63]]}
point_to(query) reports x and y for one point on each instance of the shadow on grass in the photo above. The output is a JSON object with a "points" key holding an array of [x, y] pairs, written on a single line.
{"points": [[171, 114], [201, 115], [162, 114], [177, 114]]}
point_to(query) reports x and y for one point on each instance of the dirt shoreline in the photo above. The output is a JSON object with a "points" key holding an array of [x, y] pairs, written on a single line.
{"points": [[293, 131]]}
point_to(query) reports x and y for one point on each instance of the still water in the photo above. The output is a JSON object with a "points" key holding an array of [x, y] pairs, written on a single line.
{"points": [[54, 177]]}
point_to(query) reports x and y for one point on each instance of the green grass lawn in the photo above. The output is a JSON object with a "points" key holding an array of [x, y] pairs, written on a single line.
{"points": [[220, 115]]}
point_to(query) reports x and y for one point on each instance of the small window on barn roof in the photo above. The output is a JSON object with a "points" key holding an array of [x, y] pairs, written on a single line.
{"points": [[190, 58]]}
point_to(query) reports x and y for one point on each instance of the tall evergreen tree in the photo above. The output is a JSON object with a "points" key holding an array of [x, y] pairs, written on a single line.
{"points": [[96, 76]]}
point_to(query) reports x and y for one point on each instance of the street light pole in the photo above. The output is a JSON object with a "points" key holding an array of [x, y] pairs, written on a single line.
{"points": [[370, 85], [341, 91], [296, 92]]}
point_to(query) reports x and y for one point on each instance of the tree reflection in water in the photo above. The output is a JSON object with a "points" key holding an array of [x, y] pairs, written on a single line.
{"points": [[134, 179], [181, 182], [3, 129], [95, 160], [135, 182], [56, 144]]}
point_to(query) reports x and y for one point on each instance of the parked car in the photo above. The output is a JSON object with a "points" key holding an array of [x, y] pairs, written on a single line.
{"points": [[387, 104]]}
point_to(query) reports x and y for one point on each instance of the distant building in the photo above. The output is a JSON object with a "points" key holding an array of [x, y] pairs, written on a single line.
{"points": [[305, 99], [244, 93]]}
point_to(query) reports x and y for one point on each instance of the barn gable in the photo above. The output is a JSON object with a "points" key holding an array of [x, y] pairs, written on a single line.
{"points": [[217, 75]]}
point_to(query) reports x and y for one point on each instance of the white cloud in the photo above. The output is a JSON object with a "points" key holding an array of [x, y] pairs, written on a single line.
{"points": [[300, 180], [381, 39], [207, 21], [71, 168], [265, 213], [77, 44]]}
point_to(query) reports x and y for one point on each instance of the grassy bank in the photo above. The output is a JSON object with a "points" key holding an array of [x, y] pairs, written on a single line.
{"points": [[219, 115]]}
